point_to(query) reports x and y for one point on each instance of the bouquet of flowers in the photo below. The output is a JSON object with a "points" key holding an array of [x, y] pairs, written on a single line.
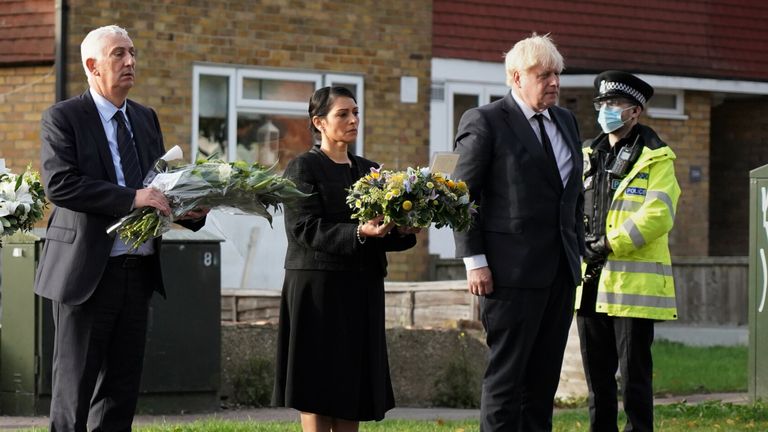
{"points": [[22, 200], [413, 198], [237, 187]]}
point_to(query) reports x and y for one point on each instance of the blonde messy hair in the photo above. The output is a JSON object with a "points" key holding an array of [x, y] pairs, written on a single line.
{"points": [[530, 52]]}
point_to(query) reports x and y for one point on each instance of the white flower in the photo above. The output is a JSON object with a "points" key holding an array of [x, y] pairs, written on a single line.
{"points": [[464, 199], [225, 171]]}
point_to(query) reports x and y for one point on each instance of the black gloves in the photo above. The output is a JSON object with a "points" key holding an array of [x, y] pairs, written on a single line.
{"points": [[597, 251]]}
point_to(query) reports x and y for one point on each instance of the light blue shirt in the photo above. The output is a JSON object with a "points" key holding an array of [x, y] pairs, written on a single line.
{"points": [[106, 112]]}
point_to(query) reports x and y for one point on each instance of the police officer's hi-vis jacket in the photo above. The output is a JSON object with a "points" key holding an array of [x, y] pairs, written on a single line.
{"points": [[636, 280]]}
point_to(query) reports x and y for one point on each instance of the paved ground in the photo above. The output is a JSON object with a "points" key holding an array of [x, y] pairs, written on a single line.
{"points": [[281, 414]]}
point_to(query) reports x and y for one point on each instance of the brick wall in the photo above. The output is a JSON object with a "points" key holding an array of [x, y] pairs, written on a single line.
{"points": [[739, 144], [690, 141], [380, 40], [25, 92]]}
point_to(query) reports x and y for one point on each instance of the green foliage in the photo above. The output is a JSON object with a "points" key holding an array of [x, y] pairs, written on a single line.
{"points": [[679, 369], [252, 382], [456, 386]]}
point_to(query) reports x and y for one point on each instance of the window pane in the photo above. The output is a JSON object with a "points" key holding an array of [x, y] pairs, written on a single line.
{"points": [[266, 138], [277, 90], [461, 103], [212, 120], [666, 101]]}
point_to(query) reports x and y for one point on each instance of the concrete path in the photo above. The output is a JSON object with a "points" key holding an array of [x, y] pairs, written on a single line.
{"points": [[284, 414]]}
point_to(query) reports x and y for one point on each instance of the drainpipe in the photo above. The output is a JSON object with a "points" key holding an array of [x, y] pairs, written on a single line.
{"points": [[61, 49]]}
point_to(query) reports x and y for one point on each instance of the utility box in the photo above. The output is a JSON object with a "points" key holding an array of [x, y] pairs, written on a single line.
{"points": [[758, 283], [182, 363]]}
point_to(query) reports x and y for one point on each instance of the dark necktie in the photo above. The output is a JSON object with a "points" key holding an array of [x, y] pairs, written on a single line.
{"points": [[127, 149], [546, 143]]}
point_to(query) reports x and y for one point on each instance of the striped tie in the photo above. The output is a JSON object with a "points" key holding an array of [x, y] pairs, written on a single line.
{"points": [[127, 149]]}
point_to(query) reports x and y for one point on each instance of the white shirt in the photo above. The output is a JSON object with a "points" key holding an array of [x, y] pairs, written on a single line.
{"points": [[106, 112], [562, 153]]}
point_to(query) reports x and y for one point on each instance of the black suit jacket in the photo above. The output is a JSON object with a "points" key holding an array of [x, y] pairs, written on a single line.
{"points": [[321, 233], [80, 180], [525, 215]]}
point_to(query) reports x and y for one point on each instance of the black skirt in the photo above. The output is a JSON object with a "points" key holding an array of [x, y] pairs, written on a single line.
{"points": [[332, 348]]}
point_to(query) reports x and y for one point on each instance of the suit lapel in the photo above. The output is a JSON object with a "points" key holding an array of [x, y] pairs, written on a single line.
{"points": [[524, 132], [98, 135]]}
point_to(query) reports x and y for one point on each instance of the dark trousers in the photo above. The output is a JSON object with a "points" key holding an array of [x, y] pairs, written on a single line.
{"points": [[526, 333], [611, 342], [98, 351]]}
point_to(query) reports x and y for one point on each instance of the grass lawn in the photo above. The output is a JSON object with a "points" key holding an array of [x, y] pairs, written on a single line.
{"points": [[711, 416], [681, 370], [678, 370]]}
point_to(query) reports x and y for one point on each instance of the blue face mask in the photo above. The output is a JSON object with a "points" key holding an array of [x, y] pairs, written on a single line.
{"points": [[609, 117]]}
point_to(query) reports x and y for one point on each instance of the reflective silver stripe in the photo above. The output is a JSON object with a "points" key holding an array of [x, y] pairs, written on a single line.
{"points": [[663, 197], [625, 205], [639, 267], [634, 233], [636, 300]]}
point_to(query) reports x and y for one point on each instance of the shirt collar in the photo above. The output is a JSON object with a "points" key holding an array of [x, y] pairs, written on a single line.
{"points": [[106, 109], [528, 112]]}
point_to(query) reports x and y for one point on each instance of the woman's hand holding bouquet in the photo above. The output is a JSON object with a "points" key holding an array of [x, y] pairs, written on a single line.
{"points": [[412, 199]]}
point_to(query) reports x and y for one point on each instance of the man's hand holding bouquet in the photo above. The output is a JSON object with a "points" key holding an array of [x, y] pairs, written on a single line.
{"points": [[191, 189]]}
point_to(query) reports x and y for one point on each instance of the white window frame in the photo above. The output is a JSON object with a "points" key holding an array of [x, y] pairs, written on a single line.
{"points": [[676, 113], [198, 70], [237, 103], [280, 107], [482, 91]]}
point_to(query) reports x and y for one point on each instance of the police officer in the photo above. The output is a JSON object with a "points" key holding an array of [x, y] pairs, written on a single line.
{"points": [[630, 197]]}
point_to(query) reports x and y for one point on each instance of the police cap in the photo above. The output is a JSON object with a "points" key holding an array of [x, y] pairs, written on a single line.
{"points": [[612, 84]]}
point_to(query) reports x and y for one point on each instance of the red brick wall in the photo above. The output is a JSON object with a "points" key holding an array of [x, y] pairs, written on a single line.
{"points": [[25, 92], [380, 40], [689, 38], [739, 144], [689, 139]]}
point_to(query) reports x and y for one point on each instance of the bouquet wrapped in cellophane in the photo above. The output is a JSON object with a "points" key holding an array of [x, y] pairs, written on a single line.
{"points": [[22, 200], [235, 187], [412, 198]]}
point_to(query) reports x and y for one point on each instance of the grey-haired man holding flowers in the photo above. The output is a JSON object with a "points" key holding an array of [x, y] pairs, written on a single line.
{"points": [[95, 150]]}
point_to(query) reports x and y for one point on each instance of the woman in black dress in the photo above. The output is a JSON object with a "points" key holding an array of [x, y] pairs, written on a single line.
{"points": [[332, 353]]}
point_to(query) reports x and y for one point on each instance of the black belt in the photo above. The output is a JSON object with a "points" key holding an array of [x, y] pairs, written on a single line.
{"points": [[129, 261]]}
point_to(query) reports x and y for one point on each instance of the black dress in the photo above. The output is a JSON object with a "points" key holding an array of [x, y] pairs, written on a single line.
{"points": [[332, 350]]}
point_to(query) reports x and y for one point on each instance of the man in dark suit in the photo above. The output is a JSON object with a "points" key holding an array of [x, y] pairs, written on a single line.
{"points": [[96, 149], [521, 159]]}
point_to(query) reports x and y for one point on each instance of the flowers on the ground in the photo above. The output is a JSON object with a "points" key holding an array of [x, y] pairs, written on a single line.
{"points": [[237, 187], [413, 198], [22, 201]]}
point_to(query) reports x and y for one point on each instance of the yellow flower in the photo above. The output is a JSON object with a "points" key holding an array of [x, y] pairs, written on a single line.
{"points": [[407, 205], [450, 183], [374, 175], [388, 196], [395, 192], [430, 185], [462, 185], [434, 202], [358, 203]]}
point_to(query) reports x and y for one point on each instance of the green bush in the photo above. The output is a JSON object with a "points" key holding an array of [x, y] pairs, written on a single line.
{"points": [[252, 382], [456, 385]]}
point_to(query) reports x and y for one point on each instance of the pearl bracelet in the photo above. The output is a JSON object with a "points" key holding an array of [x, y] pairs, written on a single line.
{"points": [[360, 238]]}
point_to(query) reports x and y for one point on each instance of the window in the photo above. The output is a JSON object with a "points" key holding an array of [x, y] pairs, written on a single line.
{"points": [[462, 97], [259, 115], [668, 104]]}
